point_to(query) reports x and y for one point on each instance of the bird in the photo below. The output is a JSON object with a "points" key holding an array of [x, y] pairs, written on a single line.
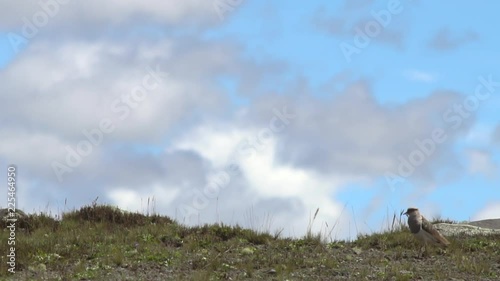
{"points": [[424, 231]]}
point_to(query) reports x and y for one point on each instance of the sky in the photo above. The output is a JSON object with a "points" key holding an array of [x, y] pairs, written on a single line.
{"points": [[255, 113]]}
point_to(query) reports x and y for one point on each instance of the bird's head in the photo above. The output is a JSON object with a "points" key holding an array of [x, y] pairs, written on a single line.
{"points": [[411, 211]]}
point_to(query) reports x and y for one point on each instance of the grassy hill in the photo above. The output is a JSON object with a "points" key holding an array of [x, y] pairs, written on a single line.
{"points": [[101, 242]]}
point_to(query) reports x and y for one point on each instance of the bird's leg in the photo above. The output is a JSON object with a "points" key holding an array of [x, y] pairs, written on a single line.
{"points": [[420, 252], [423, 251], [426, 251]]}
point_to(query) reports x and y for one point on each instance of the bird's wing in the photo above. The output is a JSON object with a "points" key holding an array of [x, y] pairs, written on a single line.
{"points": [[429, 228]]}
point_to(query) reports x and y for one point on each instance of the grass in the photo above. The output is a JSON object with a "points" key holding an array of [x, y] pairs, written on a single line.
{"points": [[100, 242]]}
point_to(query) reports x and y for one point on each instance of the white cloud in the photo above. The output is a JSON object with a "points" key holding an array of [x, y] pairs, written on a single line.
{"points": [[272, 179], [491, 211], [352, 134], [85, 78], [216, 144], [126, 199], [148, 200], [269, 180]]}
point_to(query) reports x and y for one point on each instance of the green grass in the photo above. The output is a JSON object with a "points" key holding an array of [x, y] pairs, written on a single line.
{"points": [[100, 242]]}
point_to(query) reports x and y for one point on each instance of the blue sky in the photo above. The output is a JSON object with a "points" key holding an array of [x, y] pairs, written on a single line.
{"points": [[228, 76]]}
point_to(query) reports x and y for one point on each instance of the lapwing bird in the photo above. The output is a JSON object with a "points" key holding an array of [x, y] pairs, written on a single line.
{"points": [[424, 231]]}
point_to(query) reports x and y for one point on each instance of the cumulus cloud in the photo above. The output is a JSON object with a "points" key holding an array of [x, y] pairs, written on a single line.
{"points": [[284, 193], [103, 75], [68, 87], [352, 134]]}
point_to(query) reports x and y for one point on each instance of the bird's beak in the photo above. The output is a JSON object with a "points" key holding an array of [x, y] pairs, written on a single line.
{"points": [[405, 213]]}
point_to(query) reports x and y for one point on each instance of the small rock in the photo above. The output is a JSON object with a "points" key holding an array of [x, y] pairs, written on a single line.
{"points": [[272, 271], [357, 250], [449, 229], [41, 268], [247, 251]]}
